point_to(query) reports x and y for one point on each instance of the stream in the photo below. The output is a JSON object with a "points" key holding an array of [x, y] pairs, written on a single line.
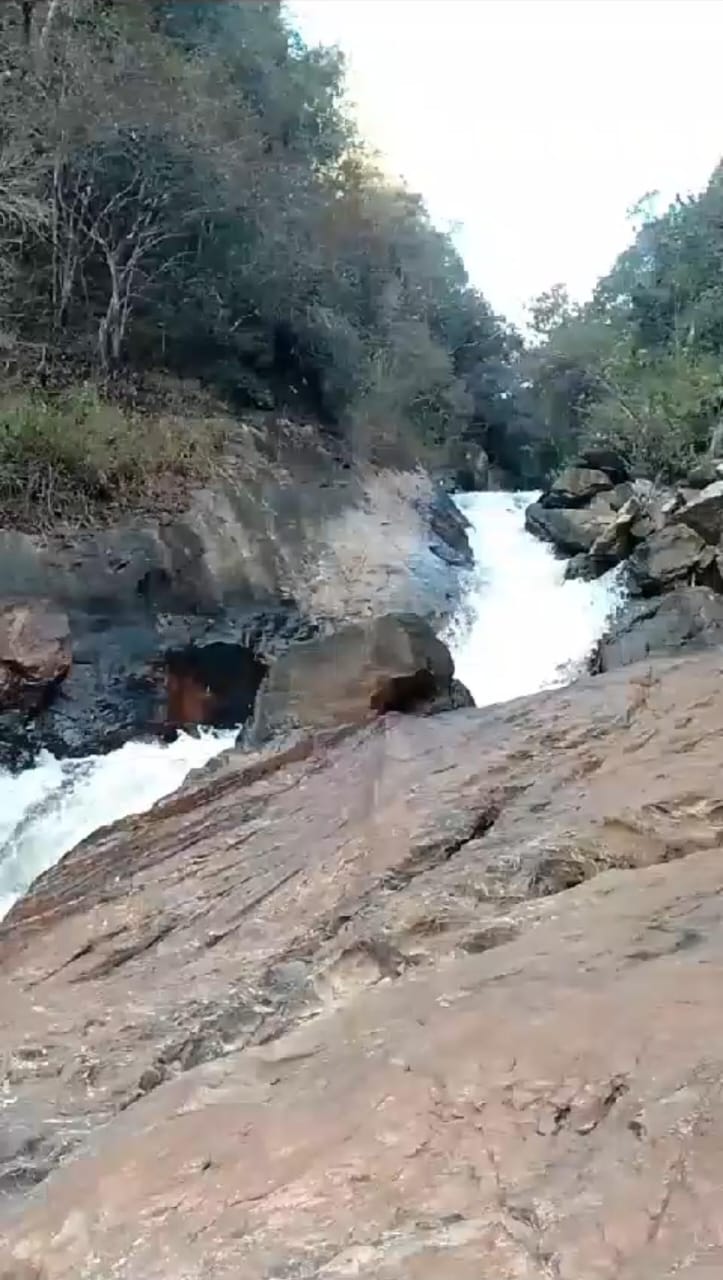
{"points": [[521, 628]]}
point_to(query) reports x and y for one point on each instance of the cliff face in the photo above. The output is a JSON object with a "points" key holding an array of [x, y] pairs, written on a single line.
{"points": [[286, 540], [436, 997]]}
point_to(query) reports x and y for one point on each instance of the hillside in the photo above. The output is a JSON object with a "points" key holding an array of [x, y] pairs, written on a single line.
{"points": [[640, 366], [188, 217]]}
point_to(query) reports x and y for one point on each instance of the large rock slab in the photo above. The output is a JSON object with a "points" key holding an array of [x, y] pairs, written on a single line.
{"points": [[337, 1012], [686, 618], [393, 663]]}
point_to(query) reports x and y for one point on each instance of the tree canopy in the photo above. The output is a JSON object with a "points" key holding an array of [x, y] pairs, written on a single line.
{"points": [[183, 189], [641, 365]]}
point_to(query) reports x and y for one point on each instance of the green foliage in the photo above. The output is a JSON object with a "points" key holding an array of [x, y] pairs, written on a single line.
{"points": [[185, 192], [73, 456], [641, 366]]}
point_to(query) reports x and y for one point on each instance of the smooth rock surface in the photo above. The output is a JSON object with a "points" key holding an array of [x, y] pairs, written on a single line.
{"points": [[685, 618], [392, 663], [438, 998], [575, 486], [570, 529]]}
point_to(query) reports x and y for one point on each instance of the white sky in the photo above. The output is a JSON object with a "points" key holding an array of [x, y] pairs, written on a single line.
{"points": [[534, 124]]}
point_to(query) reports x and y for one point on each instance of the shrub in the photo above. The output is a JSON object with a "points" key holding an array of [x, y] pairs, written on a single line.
{"points": [[74, 457]]}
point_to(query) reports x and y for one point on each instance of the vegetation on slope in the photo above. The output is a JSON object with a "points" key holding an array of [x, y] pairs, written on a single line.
{"points": [[641, 365], [182, 191]]}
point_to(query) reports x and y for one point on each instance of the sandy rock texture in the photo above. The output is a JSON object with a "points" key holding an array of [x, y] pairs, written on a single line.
{"points": [[431, 998]]}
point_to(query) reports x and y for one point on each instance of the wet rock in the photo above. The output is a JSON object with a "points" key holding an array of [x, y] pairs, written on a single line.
{"points": [[674, 554], [292, 534], [571, 530], [686, 618], [704, 513], [575, 486], [393, 663], [214, 684], [449, 527], [35, 653]]}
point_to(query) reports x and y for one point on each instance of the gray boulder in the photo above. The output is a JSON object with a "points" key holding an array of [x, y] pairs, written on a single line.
{"points": [[671, 555], [704, 513], [575, 486], [614, 544], [686, 618], [392, 663], [570, 529]]}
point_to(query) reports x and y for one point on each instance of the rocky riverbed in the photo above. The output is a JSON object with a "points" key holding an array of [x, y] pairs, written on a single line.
{"points": [[420, 998], [669, 539]]}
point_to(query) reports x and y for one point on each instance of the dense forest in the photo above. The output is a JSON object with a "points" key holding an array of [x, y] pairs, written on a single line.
{"points": [[192, 227], [641, 364], [184, 196]]}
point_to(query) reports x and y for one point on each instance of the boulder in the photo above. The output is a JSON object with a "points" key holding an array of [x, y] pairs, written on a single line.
{"points": [[392, 663], [673, 554], [614, 544], [570, 529], [705, 472], [686, 618], [35, 653], [704, 513], [621, 494], [611, 461], [575, 486]]}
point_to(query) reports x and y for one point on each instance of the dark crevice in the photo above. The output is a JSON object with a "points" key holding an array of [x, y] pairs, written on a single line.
{"points": [[122, 955], [213, 684], [433, 853]]}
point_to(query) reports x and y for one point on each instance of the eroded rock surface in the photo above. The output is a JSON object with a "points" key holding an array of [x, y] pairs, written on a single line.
{"points": [[435, 998]]}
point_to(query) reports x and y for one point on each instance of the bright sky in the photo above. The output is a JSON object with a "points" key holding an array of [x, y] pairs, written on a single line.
{"points": [[534, 124]]}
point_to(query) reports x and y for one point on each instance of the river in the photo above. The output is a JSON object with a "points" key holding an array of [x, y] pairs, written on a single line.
{"points": [[521, 628]]}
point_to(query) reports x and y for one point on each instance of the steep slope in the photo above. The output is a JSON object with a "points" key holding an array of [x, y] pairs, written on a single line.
{"points": [[433, 997]]}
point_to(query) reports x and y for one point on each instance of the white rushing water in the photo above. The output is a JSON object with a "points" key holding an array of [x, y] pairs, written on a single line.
{"points": [[521, 628], [48, 809]]}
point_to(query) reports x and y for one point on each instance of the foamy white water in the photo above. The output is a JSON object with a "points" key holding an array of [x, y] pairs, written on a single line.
{"points": [[521, 627], [48, 809]]}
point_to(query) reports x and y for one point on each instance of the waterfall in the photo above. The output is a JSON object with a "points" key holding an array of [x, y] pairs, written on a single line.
{"points": [[521, 627], [49, 808]]}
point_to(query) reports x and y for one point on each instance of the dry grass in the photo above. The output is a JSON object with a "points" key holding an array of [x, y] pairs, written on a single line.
{"points": [[76, 459]]}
